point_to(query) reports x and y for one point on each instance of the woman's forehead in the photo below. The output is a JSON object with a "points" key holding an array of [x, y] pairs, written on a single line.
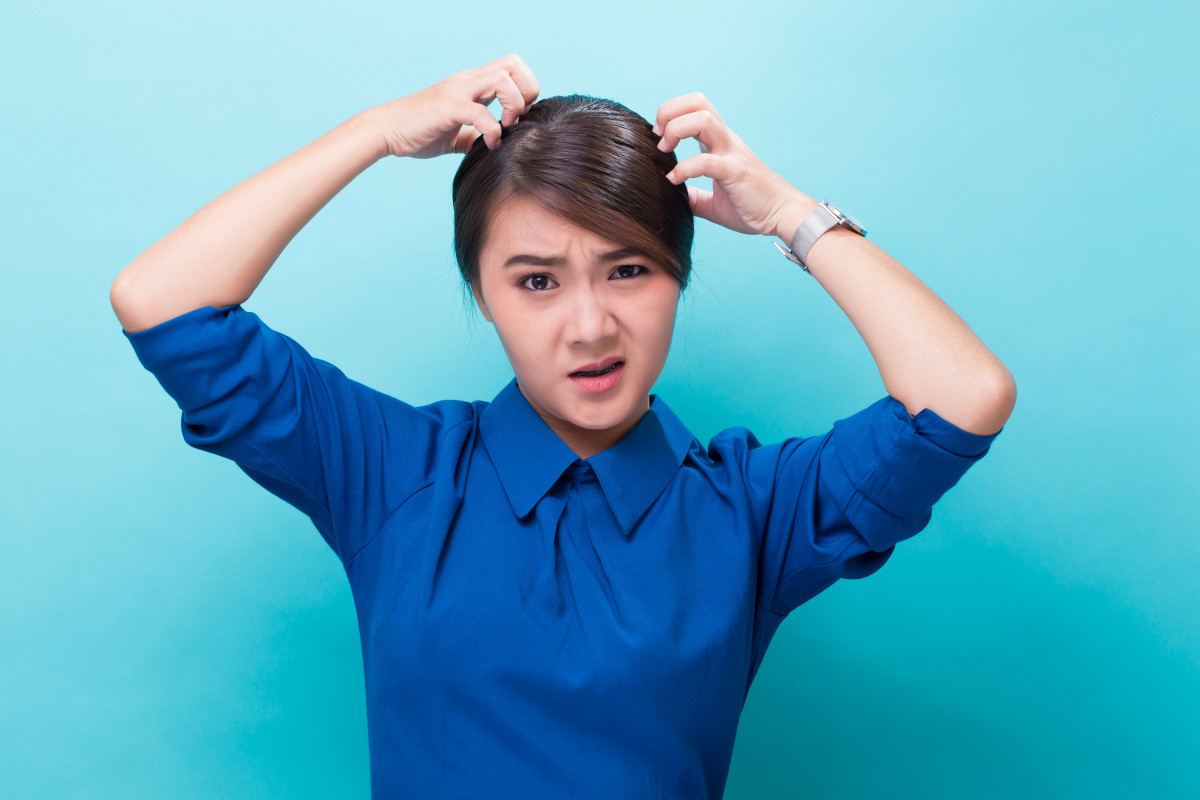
{"points": [[522, 227], [529, 220]]}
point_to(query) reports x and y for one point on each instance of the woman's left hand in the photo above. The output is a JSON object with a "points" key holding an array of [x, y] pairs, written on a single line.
{"points": [[747, 195]]}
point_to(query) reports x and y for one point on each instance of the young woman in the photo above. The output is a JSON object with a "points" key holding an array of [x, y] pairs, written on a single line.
{"points": [[561, 592]]}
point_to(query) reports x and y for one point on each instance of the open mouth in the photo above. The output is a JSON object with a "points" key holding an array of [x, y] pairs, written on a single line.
{"points": [[595, 373]]}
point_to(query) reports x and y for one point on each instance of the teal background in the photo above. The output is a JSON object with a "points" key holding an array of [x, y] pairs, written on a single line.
{"points": [[169, 629]]}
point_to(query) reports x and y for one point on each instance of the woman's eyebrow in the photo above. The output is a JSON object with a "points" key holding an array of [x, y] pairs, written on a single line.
{"points": [[548, 261]]}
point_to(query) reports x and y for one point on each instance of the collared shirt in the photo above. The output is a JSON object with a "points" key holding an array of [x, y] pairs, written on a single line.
{"points": [[534, 624]]}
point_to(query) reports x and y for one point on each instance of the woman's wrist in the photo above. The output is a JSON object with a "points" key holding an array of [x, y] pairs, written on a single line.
{"points": [[798, 206], [368, 122]]}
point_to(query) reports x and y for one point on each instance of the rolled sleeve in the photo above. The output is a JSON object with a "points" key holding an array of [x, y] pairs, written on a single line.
{"points": [[838, 503], [886, 469], [295, 424]]}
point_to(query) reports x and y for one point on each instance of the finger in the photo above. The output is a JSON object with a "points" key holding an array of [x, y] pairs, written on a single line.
{"points": [[711, 165], [701, 202], [463, 140], [512, 102], [704, 125], [478, 117], [675, 107], [522, 75], [678, 106], [484, 86], [528, 87]]}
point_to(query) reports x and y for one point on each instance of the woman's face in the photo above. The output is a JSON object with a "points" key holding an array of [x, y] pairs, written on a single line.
{"points": [[555, 318]]}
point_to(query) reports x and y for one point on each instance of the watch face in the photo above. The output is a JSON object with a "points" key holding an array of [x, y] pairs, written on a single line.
{"points": [[850, 221]]}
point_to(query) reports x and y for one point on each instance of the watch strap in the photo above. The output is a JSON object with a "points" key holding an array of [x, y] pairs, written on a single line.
{"points": [[816, 223]]}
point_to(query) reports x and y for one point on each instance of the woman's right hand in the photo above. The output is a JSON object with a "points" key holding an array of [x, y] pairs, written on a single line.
{"points": [[448, 116]]}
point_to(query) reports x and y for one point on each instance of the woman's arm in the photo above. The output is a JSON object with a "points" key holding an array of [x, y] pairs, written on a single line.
{"points": [[926, 354], [219, 255]]}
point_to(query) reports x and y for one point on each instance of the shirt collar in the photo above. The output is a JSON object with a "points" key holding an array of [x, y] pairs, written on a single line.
{"points": [[530, 457]]}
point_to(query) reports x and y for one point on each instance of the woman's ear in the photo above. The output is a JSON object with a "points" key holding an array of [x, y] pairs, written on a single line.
{"points": [[479, 301]]}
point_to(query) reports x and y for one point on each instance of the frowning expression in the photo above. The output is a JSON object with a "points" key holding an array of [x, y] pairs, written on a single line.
{"points": [[563, 298]]}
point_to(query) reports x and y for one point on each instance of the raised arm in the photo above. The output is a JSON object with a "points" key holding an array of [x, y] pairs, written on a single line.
{"points": [[926, 354], [219, 255]]}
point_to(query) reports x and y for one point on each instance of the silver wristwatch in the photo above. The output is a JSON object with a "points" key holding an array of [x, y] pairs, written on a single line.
{"points": [[822, 218]]}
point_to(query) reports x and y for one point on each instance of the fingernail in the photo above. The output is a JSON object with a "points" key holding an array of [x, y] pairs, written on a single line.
{"points": [[656, 130]]}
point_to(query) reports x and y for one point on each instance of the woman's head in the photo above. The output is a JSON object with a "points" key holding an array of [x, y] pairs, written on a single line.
{"points": [[576, 178]]}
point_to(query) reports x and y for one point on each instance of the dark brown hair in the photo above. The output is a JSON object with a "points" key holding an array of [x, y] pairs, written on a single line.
{"points": [[589, 160]]}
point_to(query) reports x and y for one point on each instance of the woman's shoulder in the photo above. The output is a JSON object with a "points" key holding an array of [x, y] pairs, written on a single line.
{"points": [[447, 412], [731, 450]]}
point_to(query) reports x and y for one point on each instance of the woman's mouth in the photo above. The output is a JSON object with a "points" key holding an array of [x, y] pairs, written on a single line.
{"points": [[592, 373], [599, 380]]}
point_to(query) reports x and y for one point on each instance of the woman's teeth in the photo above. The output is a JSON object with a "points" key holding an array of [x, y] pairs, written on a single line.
{"points": [[593, 373]]}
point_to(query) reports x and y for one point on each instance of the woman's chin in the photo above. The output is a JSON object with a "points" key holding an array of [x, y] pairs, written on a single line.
{"points": [[602, 413]]}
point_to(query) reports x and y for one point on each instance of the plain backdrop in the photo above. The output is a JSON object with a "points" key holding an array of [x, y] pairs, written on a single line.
{"points": [[170, 629]]}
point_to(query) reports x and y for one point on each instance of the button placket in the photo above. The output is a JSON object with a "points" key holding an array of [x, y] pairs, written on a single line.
{"points": [[589, 523]]}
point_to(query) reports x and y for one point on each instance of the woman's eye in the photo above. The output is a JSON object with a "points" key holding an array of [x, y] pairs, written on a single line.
{"points": [[630, 267], [538, 278]]}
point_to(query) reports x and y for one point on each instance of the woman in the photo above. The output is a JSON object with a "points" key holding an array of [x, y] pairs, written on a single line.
{"points": [[561, 592]]}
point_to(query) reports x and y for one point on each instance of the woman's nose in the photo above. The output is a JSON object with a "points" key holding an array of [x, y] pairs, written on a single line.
{"points": [[589, 317]]}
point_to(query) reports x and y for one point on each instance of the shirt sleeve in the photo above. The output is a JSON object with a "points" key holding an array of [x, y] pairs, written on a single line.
{"points": [[337, 450], [835, 505]]}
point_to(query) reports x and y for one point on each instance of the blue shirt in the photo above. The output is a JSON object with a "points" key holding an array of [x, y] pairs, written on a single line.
{"points": [[534, 624]]}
